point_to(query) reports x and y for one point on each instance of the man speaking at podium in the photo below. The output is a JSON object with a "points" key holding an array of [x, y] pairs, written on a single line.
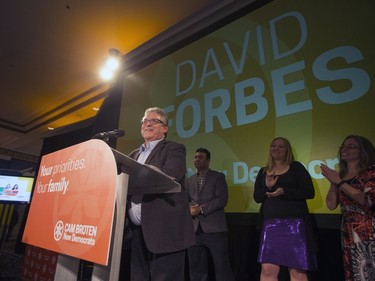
{"points": [[162, 228]]}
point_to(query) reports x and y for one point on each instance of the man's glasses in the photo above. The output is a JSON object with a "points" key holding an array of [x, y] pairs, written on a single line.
{"points": [[152, 121], [348, 147]]}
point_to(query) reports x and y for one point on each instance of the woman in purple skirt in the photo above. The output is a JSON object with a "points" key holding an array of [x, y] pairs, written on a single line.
{"points": [[283, 186]]}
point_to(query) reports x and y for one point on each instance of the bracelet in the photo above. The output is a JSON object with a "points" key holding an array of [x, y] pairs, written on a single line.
{"points": [[338, 185]]}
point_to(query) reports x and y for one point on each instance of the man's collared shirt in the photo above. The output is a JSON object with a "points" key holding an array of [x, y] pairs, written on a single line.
{"points": [[135, 208], [200, 179]]}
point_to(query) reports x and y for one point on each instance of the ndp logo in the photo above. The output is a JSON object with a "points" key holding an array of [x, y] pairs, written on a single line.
{"points": [[58, 231]]}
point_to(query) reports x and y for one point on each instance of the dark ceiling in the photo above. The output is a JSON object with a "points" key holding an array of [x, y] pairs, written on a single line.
{"points": [[51, 52]]}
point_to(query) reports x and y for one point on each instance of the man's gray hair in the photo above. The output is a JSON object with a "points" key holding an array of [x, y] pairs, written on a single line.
{"points": [[160, 112]]}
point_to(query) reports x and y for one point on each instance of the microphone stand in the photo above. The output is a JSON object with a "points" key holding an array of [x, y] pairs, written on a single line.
{"points": [[105, 136]]}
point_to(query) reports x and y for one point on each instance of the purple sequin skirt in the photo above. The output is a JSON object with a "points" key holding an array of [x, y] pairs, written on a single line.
{"points": [[284, 242]]}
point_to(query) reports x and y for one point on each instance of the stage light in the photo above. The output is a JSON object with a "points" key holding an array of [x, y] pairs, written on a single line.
{"points": [[111, 65], [106, 74]]}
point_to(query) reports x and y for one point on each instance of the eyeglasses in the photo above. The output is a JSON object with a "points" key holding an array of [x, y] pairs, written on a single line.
{"points": [[348, 147], [152, 121]]}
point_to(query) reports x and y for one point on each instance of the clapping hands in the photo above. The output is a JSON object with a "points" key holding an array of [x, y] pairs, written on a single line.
{"points": [[271, 180], [330, 174]]}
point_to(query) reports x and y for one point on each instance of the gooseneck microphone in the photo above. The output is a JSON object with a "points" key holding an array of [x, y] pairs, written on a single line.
{"points": [[109, 134]]}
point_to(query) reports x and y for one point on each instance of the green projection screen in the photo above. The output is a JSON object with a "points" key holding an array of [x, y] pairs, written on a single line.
{"points": [[303, 70]]}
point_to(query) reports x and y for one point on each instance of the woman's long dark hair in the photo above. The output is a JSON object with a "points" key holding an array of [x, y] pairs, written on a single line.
{"points": [[366, 155]]}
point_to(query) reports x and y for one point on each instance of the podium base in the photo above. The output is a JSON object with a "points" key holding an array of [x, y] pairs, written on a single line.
{"points": [[66, 268]]}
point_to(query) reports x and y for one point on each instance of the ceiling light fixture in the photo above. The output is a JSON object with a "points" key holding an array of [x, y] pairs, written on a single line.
{"points": [[111, 65]]}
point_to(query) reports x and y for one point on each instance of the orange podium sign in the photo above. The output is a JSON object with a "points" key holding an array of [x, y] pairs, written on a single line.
{"points": [[73, 202]]}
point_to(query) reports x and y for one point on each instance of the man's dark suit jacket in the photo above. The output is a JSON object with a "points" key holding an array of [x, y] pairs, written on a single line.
{"points": [[213, 197], [166, 219]]}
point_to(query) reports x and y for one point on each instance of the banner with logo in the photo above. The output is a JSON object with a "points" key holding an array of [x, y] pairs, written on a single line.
{"points": [[303, 70], [73, 202]]}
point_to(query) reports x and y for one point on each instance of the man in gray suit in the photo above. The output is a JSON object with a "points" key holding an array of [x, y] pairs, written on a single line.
{"points": [[208, 195], [161, 224]]}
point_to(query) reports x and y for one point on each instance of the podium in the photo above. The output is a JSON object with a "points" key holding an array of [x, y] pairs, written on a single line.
{"points": [[132, 178]]}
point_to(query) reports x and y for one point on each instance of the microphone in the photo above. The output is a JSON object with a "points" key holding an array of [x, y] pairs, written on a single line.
{"points": [[109, 134]]}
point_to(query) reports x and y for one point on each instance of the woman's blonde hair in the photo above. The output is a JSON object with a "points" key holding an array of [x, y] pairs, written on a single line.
{"points": [[289, 157]]}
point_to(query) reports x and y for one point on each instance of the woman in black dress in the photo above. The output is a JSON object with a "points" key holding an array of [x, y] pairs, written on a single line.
{"points": [[283, 186]]}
